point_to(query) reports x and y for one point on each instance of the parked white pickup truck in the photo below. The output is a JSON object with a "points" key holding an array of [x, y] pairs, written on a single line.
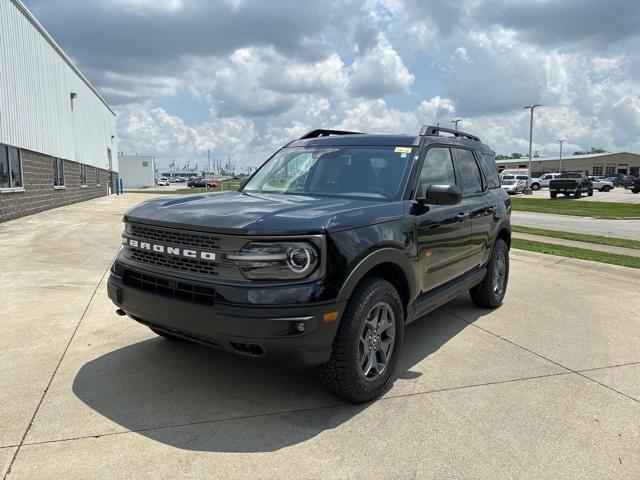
{"points": [[601, 184]]}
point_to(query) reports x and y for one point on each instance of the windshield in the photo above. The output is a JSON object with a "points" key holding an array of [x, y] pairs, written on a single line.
{"points": [[355, 171]]}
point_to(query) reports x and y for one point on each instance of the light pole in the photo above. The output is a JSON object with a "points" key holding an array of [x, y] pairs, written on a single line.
{"points": [[455, 122], [530, 107], [560, 167]]}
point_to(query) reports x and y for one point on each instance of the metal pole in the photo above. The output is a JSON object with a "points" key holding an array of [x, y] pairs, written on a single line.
{"points": [[530, 107], [208, 161], [560, 166], [455, 122]]}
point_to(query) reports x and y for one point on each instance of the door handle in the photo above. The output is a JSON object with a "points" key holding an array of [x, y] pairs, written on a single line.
{"points": [[462, 215], [492, 208]]}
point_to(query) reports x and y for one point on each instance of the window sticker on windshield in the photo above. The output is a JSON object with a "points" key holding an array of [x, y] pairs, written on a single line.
{"points": [[402, 150]]}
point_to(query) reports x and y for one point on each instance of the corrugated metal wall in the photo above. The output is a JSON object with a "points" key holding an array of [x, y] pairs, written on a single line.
{"points": [[35, 97]]}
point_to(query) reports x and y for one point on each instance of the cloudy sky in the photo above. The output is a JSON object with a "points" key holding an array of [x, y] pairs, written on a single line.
{"points": [[241, 77]]}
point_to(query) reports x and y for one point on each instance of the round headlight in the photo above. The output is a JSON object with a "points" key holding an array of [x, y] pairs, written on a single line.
{"points": [[300, 259]]}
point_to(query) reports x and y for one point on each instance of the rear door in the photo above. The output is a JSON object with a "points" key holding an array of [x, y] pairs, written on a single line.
{"points": [[478, 203]]}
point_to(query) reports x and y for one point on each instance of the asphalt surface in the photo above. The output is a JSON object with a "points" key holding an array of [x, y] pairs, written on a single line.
{"points": [[546, 386], [629, 229], [617, 195]]}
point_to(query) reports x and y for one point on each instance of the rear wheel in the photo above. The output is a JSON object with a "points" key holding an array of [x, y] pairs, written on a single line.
{"points": [[577, 193], [636, 190], [553, 194], [606, 188], [490, 292], [535, 186], [368, 344], [590, 192]]}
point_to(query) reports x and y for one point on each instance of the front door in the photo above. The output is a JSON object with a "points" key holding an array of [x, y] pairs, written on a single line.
{"points": [[443, 231]]}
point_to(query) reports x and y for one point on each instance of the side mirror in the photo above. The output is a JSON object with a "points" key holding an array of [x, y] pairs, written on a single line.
{"points": [[442, 195]]}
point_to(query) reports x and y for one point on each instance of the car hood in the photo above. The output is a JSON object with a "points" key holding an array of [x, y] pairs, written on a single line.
{"points": [[244, 213]]}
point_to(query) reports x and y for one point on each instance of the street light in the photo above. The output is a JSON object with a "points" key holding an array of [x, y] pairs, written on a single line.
{"points": [[560, 167], [455, 122], [530, 107]]}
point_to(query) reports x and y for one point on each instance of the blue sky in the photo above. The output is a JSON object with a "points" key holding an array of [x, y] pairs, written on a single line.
{"points": [[241, 77]]}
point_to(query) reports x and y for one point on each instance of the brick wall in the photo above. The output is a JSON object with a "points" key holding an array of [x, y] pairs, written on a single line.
{"points": [[39, 194]]}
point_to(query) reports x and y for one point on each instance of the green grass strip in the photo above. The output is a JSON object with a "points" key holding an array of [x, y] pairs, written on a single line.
{"points": [[568, 206], [579, 253], [579, 237]]}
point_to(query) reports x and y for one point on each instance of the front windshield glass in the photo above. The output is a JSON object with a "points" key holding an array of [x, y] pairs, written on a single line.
{"points": [[355, 171]]}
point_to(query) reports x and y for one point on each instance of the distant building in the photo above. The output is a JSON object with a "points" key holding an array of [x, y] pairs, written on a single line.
{"points": [[57, 133], [136, 171], [600, 164]]}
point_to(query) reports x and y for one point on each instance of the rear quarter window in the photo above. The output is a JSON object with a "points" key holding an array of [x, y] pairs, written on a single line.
{"points": [[488, 165]]}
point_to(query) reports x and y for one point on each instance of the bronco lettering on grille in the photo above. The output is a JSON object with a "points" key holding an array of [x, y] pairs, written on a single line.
{"points": [[175, 251]]}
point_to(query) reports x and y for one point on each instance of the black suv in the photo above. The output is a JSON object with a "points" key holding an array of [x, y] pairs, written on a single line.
{"points": [[332, 246]]}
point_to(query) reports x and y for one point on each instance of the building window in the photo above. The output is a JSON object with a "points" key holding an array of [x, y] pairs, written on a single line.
{"points": [[58, 172], [610, 170], [597, 170], [83, 175], [623, 168], [97, 176], [10, 167], [145, 164]]}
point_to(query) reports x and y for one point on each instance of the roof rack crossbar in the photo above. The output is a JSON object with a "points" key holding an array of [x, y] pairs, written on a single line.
{"points": [[434, 131], [325, 133]]}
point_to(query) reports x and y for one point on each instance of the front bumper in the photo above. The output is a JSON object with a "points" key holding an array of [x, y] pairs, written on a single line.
{"points": [[293, 335]]}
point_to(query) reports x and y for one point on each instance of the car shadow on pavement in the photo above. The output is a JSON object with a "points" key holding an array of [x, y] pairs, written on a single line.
{"points": [[197, 398]]}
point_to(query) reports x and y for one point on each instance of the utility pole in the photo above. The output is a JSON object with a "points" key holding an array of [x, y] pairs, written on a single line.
{"points": [[455, 122], [530, 107], [208, 161], [560, 167]]}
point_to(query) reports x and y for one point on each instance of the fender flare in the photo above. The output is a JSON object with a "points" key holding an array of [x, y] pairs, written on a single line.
{"points": [[384, 255]]}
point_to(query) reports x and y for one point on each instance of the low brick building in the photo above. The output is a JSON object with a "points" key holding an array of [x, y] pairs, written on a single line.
{"points": [[57, 134]]}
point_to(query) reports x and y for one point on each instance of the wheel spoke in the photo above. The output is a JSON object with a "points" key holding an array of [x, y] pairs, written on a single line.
{"points": [[376, 342], [384, 349]]}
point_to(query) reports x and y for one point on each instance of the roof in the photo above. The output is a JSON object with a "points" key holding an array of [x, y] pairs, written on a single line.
{"points": [[564, 157], [25, 11]]}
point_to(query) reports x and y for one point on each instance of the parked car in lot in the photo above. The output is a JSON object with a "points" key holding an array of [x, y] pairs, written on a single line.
{"points": [[616, 180], [163, 182], [571, 184], [203, 183], [336, 243], [634, 185], [522, 178], [601, 184], [546, 178], [513, 186], [628, 181]]}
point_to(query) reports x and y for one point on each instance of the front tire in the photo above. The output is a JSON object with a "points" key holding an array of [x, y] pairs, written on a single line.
{"points": [[606, 188], [590, 192], [578, 193], [368, 344], [553, 194], [490, 292]]}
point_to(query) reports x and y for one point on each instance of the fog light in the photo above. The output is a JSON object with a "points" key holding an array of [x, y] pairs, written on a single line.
{"points": [[300, 326]]}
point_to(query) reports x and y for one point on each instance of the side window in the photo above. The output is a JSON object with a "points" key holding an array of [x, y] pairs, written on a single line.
{"points": [[470, 181], [437, 169], [488, 164]]}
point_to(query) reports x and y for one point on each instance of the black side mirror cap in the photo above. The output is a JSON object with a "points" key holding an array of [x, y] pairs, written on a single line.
{"points": [[442, 195]]}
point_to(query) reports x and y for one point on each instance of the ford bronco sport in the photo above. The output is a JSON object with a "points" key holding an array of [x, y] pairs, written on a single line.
{"points": [[327, 252]]}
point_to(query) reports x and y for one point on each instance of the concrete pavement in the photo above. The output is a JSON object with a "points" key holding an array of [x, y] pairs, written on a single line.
{"points": [[629, 229], [547, 386]]}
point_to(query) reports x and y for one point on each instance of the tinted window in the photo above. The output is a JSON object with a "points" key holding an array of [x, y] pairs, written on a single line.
{"points": [[437, 169], [14, 167], [470, 179], [4, 167], [490, 171]]}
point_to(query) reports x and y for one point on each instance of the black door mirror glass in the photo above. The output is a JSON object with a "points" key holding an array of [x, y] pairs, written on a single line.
{"points": [[441, 195]]}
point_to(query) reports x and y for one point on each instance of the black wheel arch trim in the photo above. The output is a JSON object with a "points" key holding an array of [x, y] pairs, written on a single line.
{"points": [[379, 257]]}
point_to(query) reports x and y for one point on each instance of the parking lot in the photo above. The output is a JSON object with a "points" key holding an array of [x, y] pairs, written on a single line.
{"points": [[618, 195], [546, 386]]}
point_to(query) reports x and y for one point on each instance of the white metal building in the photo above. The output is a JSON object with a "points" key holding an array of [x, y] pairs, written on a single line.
{"points": [[136, 171], [52, 118], [599, 164]]}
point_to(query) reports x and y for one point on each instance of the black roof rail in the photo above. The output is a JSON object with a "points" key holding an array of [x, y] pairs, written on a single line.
{"points": [[325, 133], [430, 130]]}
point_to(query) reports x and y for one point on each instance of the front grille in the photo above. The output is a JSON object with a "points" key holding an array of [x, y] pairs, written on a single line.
{"points": [[187, 292], [174, 237], [185, 264]]}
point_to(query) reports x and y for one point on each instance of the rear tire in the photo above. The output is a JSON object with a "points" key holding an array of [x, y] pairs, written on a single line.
{"points": [[535, 186], [590, 192], [577, 193], [636, 190], [553, 194], [490, 292], [606, 188], [368, 345]]}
